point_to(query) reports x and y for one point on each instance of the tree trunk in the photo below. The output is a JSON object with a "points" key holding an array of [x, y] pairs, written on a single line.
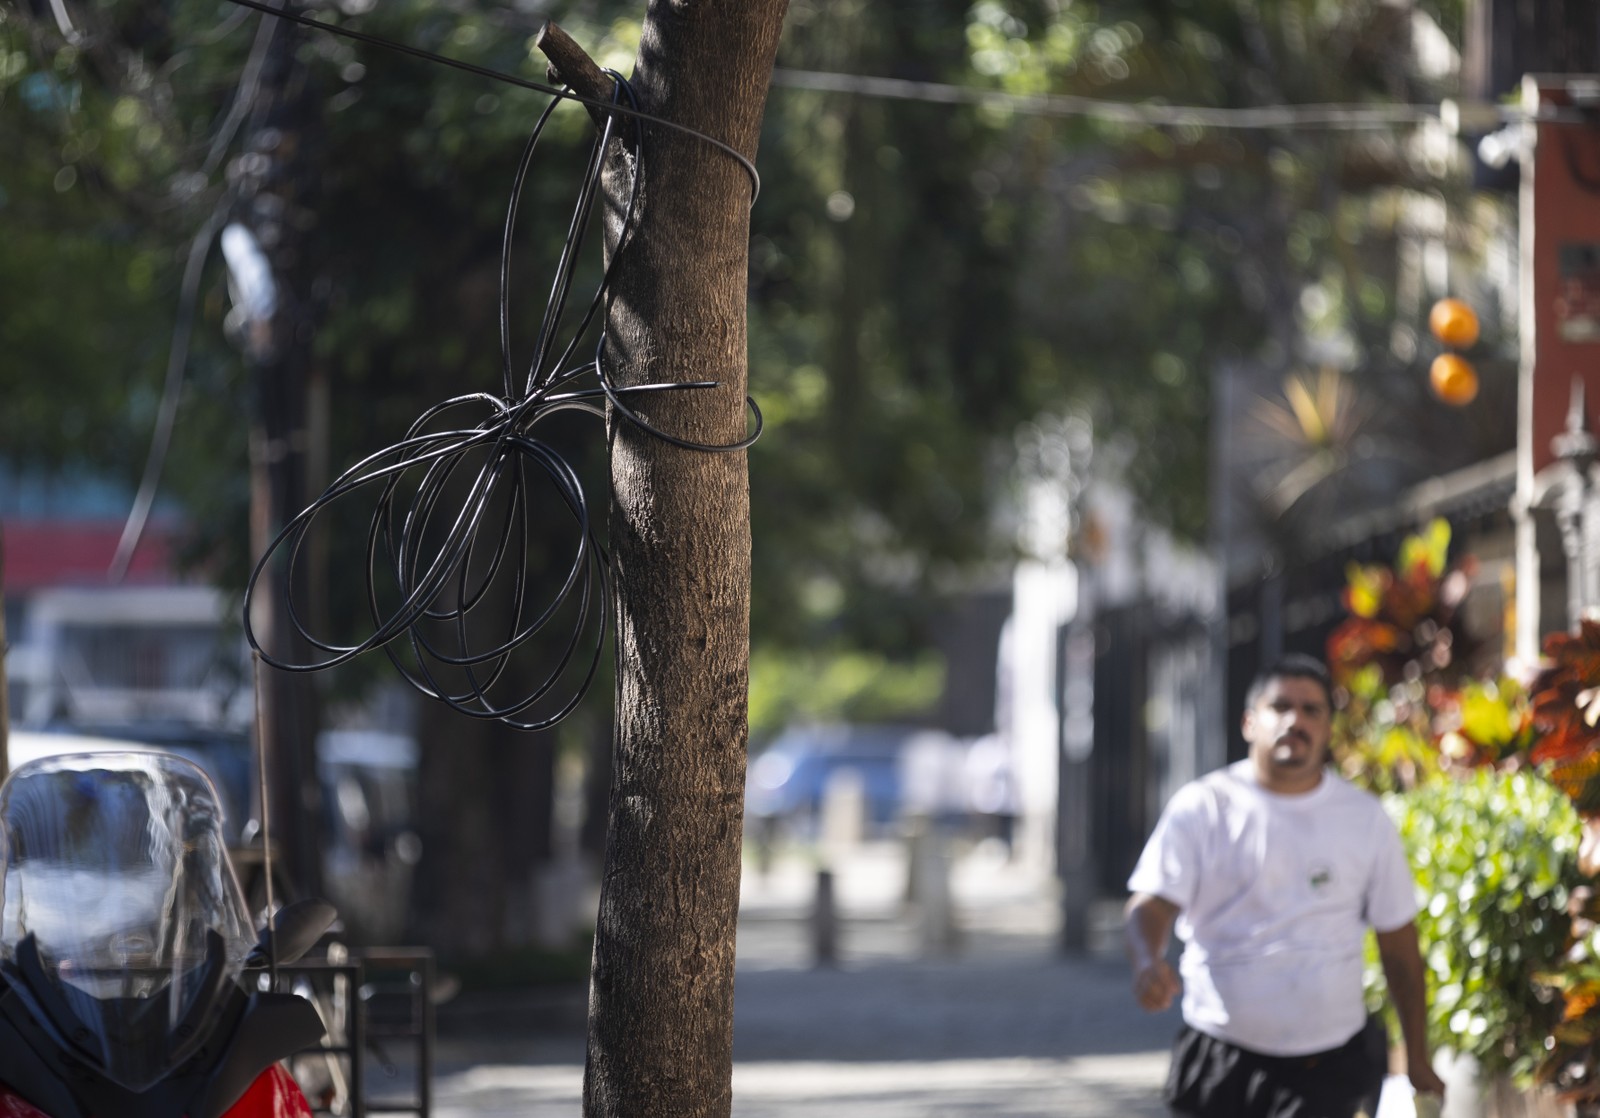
{"points": [[596, 790], [661, 996], [5, 694], [476, 882]]}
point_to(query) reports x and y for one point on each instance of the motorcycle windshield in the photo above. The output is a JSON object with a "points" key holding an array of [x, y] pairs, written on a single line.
{"points": [[123, 923]]}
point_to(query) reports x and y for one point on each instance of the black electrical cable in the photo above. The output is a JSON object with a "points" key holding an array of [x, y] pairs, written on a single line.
{"points": [[612, 107], [178, 351], [138, 516], [440, 566], [172, 386]]}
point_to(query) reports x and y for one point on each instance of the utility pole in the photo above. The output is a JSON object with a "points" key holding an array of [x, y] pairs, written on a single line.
{"points": [[273, 223]]}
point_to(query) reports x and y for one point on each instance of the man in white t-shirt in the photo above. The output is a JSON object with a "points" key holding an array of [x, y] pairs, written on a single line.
{"points": [[1271, 870]]}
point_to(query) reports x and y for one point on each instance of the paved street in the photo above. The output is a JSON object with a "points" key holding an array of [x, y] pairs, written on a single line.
{"points": [[998, 1024]]}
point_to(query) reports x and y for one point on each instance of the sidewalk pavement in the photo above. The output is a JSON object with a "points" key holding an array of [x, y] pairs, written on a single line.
{"points": [[998, 1024]]}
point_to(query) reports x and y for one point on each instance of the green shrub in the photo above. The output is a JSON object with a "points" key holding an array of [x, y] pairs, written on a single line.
{"points": [[1495, 858]]}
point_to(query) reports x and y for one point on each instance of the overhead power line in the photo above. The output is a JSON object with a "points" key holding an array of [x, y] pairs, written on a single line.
{"points": [[1334, 117], [1327, 116]]}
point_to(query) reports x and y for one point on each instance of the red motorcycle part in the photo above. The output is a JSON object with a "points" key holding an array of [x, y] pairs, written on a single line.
{"points": [[274, 1094], [14, 1106]]}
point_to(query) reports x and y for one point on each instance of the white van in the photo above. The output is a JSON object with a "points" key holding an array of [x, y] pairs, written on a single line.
{"points": [[98, 655]]}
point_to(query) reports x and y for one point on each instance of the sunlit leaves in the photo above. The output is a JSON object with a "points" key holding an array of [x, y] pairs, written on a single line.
{"points": [[1566, 711], [1494, 722], [1427, 551], [840, 685], [1513, 966], [1025, 60], [1402, 617], [1572, 1057], [1495, 857], [1408, 707], [1364, 589]]}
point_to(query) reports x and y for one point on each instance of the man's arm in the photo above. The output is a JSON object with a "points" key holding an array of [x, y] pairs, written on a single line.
{"points": [[1402, 967], [1147, 928]]}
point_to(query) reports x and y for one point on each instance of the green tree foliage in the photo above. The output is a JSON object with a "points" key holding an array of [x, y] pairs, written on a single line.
{"points": [[96, 216], [789, 686], [883, 335], [399, 242], [924, 276], [1169, 251]]}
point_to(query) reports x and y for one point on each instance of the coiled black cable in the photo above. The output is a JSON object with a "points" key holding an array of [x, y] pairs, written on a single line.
{"points": [[449, 545]]}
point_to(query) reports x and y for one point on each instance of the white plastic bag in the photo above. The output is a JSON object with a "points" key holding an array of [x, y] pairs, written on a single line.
{"points": [[1400, 1100]]}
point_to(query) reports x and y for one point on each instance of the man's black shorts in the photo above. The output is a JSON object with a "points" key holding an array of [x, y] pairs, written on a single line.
{"points": [[1211, 1078]]}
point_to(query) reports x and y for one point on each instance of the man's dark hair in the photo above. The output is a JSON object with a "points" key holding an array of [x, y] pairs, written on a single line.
{"points": [[1294, 665]]}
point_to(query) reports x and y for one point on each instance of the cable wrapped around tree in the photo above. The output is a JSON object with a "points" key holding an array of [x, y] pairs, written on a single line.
{"points": [[433, 552]]}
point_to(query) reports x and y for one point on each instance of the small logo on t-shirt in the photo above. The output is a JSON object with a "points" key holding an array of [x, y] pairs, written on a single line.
{"points": [[1321, 876]]}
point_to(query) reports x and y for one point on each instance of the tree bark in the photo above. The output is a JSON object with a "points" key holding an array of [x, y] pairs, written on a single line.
{"points": [[5, 683], [661, 993]]}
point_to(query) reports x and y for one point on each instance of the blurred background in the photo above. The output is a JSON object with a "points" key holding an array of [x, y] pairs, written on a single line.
{"points": [[1093, 343]]}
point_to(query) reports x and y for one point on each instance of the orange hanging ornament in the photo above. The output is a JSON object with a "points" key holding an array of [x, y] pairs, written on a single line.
{"points": [[1454, 323], [1454, 379]]}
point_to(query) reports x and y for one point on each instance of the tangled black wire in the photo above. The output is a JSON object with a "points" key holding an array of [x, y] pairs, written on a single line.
{"points": [[450, 541]]}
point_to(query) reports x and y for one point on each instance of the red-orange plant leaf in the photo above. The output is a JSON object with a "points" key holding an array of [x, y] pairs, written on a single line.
{"points": [[1579, 777]]}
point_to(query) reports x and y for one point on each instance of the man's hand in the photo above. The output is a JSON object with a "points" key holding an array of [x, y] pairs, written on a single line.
{"points": [[1148, 925], [1424, 1079], [1155, 985], [1402, 967]]}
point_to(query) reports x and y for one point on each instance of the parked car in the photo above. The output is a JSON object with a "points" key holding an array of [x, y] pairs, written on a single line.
{"points": [[788, 779], [369, 816]]}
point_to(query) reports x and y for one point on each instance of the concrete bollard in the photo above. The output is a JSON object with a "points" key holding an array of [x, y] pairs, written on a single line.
{"points": [[936, 924], [824, 922], [843, 813], [915, 831]]}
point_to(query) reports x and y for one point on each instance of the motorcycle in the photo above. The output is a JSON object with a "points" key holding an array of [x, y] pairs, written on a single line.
{"points": [[132, 984]]}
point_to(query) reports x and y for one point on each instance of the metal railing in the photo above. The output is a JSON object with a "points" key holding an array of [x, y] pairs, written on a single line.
{"points": [[373, 1001]]}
